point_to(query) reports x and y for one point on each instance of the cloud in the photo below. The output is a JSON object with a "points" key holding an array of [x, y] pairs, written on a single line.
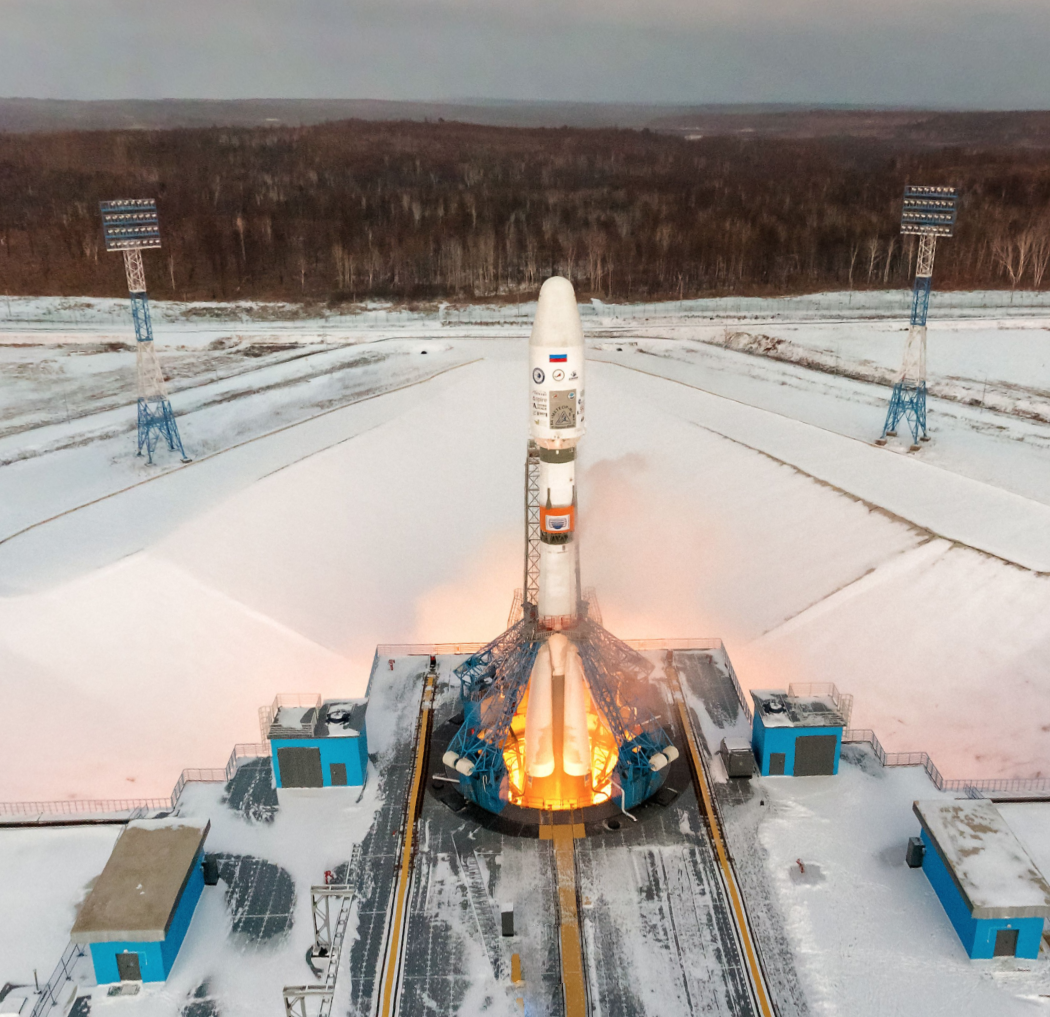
{"points": [[914, 52]]}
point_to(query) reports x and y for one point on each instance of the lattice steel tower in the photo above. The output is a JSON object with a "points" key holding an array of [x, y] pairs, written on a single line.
{"points": [[130, 226], [929, 213]]}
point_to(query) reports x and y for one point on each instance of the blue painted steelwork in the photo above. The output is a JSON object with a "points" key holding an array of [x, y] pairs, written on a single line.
{"points": [[908, 402], [920, 299], [977, 934], [929, 213], [130, 223], [493, 682], [140, 316], [491, 685], [614, 672], [156, 421]]}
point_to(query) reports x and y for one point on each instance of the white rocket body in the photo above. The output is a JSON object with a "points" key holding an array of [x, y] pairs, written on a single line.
{"points": [[556, 403], [539, 718]]}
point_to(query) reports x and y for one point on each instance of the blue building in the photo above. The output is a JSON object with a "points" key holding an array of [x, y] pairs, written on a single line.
{"points": [[324, 745], [136, 916], [990, 888], [798, 733]]}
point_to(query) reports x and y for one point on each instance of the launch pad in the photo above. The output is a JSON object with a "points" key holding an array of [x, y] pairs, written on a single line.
{"points": [[611, 909]]}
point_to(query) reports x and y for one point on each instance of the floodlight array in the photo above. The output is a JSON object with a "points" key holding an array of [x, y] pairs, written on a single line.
{"points": [[130, 224], [929, 210]]}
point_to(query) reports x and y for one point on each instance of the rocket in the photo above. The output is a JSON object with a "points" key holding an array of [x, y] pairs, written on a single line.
{"points": [[556, 424]]}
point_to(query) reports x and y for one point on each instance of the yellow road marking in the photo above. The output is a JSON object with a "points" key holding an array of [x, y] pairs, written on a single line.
{"points": [[393, 956], [569, 922], [697, 766]]}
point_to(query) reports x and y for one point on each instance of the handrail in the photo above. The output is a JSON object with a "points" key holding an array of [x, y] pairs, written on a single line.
{"points": [[867, 736], [138, 807]]}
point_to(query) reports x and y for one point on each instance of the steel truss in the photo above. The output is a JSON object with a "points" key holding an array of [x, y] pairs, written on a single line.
{"points": [[531, 585], [928, 212], [493, 682], [129, 226], [328, 945], [615, 674]]}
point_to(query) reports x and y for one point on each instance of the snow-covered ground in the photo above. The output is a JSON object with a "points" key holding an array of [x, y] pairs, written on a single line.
{"points": [[357, 480], [46, 876], [868, 934]]}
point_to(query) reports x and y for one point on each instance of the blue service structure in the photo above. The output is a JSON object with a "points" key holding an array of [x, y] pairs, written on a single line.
{"points": [[136, 917], [992, 892], [798, 735], [131, 225], [324, 745], [928, 213], [493, 682]]}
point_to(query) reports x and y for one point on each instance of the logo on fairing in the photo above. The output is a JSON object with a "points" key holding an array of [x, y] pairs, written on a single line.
{"points": [[538, 376]]}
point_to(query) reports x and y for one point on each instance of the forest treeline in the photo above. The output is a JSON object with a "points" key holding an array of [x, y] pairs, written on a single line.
{"points": [[416, 211]]}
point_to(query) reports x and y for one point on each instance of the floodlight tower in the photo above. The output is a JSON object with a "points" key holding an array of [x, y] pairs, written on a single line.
{"points": [[928, 213], [131, 226]]}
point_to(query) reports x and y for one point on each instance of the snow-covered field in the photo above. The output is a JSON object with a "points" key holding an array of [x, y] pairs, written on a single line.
{"points": [[357, 480]]}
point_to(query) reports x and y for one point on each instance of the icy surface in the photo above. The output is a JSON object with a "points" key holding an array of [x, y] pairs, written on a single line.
{"points": [[371, 492]]}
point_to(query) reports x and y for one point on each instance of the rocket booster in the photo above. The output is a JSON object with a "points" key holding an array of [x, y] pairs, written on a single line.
{"points": [[556, 403]]}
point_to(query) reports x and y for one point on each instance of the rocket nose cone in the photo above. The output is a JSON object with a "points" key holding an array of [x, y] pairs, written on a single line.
{"points": [[557, 321]]}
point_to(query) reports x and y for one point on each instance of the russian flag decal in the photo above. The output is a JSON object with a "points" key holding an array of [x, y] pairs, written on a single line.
{"points": [[559, 358]]}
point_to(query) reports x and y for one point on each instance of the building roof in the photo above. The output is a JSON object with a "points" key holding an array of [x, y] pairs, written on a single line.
{"points": [[991, 869], [778, 709], [135, 897], [335, 718]]}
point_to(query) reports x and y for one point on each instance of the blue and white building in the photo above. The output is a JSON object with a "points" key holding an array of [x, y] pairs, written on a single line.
{"points": [[798, 733], [136, 917], [991, 890], [320, 745]]}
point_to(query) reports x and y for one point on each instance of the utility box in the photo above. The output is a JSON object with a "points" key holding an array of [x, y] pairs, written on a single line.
{"points": [[990, 888], [737, 757], [913, 855], [136, 916], [506, 915], [317, 746], [798, 733]]}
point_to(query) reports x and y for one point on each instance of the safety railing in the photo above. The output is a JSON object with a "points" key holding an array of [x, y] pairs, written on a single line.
{"points": [[1034, 785], [295, 700], [135, 808], [843, 701], [416, 649], [51, 994]]}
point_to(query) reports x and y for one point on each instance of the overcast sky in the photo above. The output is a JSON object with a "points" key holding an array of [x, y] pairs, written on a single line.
{"points": [[968, 53]]}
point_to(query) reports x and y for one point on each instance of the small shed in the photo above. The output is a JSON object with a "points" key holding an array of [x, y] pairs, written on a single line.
{"points": [[798, 733], [319, 746], [989, 886], [136, 915]]}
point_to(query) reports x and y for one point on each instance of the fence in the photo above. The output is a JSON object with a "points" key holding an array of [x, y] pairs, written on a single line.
{"points": [[267, 714], [843, 702], [137, 808], [1038, 785], [49, 995]]}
